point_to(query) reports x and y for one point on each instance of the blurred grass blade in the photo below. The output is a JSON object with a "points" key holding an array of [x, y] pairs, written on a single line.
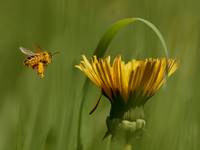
{"points": [[101, 50], [114, 29]]}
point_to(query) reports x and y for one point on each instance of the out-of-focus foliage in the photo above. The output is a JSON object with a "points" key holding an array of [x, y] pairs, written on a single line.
{"points": [[42, 114]]}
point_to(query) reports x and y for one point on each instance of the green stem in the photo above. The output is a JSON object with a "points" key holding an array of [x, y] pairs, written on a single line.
{"points": [[128, 147], [79, 141], [108, 144]]}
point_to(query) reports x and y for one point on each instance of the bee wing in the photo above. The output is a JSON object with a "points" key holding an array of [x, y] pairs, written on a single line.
{"points": [[38, 48], [26, 51]]}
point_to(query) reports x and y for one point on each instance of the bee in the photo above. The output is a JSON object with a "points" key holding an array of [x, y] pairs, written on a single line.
{"points": [[37, 60]]}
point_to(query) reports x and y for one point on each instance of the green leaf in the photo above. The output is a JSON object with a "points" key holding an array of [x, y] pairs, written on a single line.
{"points": [[115, 28]]}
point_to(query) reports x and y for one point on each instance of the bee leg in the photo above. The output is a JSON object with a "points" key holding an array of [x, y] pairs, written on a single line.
{"points": [[40, 69]]}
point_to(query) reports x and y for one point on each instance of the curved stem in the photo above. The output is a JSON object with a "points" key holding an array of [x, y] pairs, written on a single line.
{"points": [[109, 35]]}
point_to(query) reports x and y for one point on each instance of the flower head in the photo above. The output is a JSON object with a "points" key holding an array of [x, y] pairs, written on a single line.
{"points": [[137, 78], [128, 86]]}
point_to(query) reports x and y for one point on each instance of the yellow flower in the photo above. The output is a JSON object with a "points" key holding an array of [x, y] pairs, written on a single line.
{"points": [[128, 86], [136, 80]]}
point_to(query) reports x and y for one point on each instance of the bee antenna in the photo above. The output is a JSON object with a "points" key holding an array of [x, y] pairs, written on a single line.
{"points": [[55, 53]]}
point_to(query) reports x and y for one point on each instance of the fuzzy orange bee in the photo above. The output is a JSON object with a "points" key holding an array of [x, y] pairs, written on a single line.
{"points": [[37, 60]]}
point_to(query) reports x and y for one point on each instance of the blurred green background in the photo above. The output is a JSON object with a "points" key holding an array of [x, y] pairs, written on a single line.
{"points": [[42, 114]]}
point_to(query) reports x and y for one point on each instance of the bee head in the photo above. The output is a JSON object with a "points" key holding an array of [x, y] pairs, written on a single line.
{"points": [[47, 57]]}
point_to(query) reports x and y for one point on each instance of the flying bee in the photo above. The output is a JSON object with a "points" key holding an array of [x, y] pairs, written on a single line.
{"points": [[37, 60]]}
